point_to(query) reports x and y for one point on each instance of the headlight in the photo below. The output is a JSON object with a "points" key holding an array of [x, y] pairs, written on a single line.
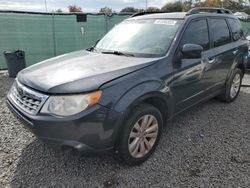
{"points": [[70, 104]]}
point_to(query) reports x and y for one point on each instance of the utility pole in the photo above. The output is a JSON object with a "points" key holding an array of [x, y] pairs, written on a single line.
{"points": [[46, 8], [146, 5]]}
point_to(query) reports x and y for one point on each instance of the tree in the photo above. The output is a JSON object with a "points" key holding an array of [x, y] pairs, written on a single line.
{"points": [[210, 3], [74, 8], [172, 7], [234, 5], [187, 5], [131, 10], [153, 9], [106, 10], [228, 4], [240, 5], [59, 10]]}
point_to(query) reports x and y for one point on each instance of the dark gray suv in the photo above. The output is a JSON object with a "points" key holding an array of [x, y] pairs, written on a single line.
{"points": [[119, 94]]}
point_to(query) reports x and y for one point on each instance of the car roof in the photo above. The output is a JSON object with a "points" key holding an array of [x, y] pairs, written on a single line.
{"points": [[177, 15], [197, 12]]}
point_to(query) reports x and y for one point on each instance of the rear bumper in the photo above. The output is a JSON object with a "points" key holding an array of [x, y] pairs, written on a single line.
{"points": [[91, 131]]}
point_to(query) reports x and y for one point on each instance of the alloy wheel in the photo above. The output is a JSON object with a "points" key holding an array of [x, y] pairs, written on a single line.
{"points": [[235, 85], [143, 136]]}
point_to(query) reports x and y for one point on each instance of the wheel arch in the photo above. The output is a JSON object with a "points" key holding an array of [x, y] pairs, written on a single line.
{"points": [[161, 100], [241, 67], [238, 63], [156, 99]]}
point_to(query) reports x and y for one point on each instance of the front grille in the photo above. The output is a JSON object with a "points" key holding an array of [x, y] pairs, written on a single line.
{"points": [[26, 99]]}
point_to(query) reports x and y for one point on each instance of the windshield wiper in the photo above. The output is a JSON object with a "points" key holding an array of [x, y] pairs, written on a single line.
{"points": [[118, 53]]}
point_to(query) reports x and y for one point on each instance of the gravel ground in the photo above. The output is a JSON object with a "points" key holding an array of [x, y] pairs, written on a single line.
{"points": [[208, 146]]}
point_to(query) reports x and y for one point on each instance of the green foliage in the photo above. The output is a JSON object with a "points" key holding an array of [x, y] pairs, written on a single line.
{"points": [[59, 10], [74, 8], [234, 5], [131, 9], [106, 10], [240, 5], [173, 7], [178, 6], [153, 9]]}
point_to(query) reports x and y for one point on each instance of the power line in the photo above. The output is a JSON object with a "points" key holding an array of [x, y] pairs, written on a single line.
{"points": [[46, 8]]}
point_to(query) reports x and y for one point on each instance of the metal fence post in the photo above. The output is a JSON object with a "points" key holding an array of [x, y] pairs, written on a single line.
{"points": [[54, 34], [106, 21]]}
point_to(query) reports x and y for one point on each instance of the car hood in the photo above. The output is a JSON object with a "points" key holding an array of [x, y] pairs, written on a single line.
{"points": [[79, 71]]}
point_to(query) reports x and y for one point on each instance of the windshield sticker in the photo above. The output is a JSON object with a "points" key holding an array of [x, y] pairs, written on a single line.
{"points": [[165, 22]]}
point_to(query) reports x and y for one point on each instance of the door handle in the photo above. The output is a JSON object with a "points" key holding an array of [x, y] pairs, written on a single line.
{"points": [[235, 51], [211, 60]]}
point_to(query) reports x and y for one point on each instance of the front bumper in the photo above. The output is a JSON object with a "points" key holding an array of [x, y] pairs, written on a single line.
{"points": [[91, 131]]}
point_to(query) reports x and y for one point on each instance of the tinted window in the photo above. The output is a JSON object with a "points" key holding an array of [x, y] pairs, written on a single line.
{"points": [[220, 32], [236, 29], [197, 33]]}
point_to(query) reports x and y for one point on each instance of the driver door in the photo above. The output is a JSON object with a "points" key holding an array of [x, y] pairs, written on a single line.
{"points": [[192, 76]]}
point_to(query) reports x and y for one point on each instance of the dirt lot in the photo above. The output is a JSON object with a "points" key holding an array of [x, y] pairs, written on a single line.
{"points": [[208, 146]]}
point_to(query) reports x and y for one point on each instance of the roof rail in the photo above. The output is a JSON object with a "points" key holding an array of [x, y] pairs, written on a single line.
{"points": [[209, 10], [143, 13]]}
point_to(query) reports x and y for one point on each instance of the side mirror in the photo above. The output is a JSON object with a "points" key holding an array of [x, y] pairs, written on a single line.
{"points": [[191, 51]]}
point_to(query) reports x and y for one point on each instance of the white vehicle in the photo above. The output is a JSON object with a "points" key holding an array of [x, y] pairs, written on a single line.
{"points": [[242, 15]]}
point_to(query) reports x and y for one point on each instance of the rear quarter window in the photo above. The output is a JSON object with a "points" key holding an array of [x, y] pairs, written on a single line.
{"points": [[235, 26]]}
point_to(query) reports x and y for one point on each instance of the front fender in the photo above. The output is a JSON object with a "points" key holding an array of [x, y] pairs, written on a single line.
{"points": [[141, 92], [136, 95]]}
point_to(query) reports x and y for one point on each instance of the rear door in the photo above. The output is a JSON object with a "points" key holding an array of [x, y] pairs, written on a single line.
{"points": [[239, 41], [222, 54]]}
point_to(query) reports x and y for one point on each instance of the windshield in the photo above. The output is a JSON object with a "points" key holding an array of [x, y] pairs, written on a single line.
{"points": [[140, 37]]}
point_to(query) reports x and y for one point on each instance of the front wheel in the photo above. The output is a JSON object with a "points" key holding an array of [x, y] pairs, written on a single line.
{"points": [[140, 134], [233, 87]]}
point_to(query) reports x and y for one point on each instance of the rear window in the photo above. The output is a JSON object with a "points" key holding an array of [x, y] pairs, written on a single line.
{"points": [[220, 32], [236, 29]]}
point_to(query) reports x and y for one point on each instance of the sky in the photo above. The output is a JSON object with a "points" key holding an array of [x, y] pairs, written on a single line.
{"points": [[86, 5]]}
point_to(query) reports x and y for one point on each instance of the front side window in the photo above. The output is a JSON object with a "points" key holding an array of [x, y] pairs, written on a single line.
{"points": [[149, 36], [197, 33], [220, 32], [236, 29]]}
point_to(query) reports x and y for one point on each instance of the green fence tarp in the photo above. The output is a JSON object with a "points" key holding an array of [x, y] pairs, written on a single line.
{"points": [[246, 27], [43, 36]]}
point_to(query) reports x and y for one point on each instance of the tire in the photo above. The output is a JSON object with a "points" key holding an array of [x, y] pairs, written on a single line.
{"points": [[248, 64], [229, 94], [131, 142]]}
